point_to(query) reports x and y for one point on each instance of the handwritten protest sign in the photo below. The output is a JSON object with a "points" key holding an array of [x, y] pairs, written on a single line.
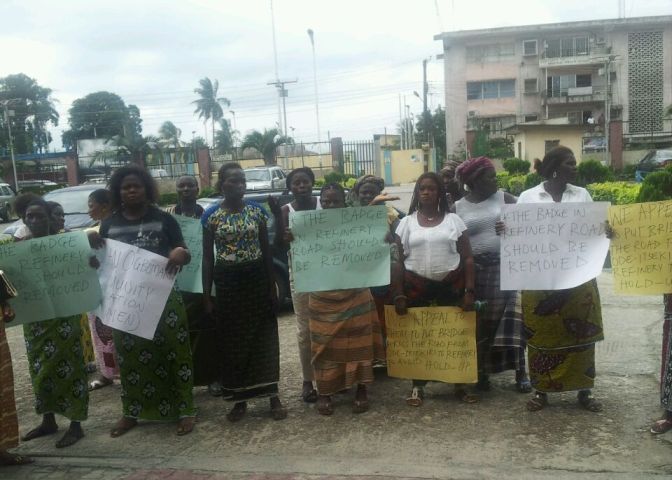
{"points": [[552, 246], [135, 288], [432, 343], [641, 250], [189, 279], [52, 276], [340, 248]]}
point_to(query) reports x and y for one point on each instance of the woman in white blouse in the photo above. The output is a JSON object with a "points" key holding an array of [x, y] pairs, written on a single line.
{"points": [[438, 268], [562, 325]]}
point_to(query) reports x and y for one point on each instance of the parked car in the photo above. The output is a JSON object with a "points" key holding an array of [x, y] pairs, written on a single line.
{"points": [[7, 197], [158, 173], [35, 183], [75, 202], [652, 161], [265, 178]]}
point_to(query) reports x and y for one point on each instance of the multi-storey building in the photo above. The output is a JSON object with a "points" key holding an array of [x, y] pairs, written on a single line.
{"points": [[584, 83]]}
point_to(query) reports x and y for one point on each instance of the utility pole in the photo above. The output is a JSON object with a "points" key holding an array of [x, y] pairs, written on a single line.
{"points": [[401, 125], [275, 62], [282, 92], [425, 116], [11, 143]]}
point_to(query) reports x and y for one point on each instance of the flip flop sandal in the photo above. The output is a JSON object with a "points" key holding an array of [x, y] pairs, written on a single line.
{"points": [[484, 384], [416, 398], [309, 396], [589, 403], [661, 426], [99, 383], [279, 413], [38, 432], [536, 403], [360, 406], [70, 438], [465, 397], [122, 427], [185, 425], [236, 414], [10, 460], [325, 407]]}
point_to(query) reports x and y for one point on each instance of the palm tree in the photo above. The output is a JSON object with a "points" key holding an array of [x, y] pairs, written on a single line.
{"points": [[169, 135], [209, 106], [265, 143], [134, 148]]}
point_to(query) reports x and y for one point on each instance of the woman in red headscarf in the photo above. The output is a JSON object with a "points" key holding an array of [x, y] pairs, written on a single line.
{"points": [[500, 339]]}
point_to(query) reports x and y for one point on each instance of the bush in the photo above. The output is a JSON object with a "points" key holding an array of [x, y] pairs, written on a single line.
{"points": [[618, 193], [207, 192], [349, 183], [657, 186], [503, 180], [516, 184], [334, 177], [532, 180], [592, 171], [627, 173], [319, 182], [168, 199], [42, 189], [516, 166]]}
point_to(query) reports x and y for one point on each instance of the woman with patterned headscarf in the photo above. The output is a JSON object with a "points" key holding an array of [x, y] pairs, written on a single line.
{"points": [[500, 341]]}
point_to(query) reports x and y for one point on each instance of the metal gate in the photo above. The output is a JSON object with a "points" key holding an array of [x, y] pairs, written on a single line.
{"points": [[359, 158]]}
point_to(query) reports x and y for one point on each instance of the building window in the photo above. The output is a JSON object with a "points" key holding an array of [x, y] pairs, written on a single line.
{"points": [[550, 144], [531, 118], [531, 85], [559, 85], [529, 47], [489, 53], [493, 125], [491, 89], [566, 47]]}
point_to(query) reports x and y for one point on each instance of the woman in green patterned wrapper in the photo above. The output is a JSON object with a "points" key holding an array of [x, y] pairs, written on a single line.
{"points": [[562, 325], [156, 375], [55, 357]]}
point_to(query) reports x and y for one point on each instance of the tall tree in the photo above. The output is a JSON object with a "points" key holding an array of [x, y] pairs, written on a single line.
{"points": [[169, 133], [33, 110], [266, 143], [209, 106], [101, 115], [432, 130], [224, 137]]}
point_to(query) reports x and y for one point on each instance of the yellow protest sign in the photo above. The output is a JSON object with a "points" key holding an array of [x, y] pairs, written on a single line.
{"points": [[432, 343], [641, 251]]}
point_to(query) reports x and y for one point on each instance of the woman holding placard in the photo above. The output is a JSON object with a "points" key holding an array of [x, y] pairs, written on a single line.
{"points": [[156, 375], [562, 325], [438, 267], [499, 332], [242, 273], [55, 357]]}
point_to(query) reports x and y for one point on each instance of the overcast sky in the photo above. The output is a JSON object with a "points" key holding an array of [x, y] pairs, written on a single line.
{"points": [[152, 53]]}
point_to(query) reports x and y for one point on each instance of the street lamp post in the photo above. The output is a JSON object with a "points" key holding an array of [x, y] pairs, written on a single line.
{"points": [[11, 144], [311, 34]]}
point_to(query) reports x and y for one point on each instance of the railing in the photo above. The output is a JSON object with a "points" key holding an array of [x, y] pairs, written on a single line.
{"points": [[575, 95]]}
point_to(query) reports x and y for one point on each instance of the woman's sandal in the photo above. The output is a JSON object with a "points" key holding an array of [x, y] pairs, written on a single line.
{"points": [[278, 412], [360, 406], [588, 402], [661, 426], [465, 397], [309, 394], [523, 385], [11, 460], [38, 432], [324, 406], [185, 425], [538, 402], [416, 398], [237, 412], [70, 438], [123, 426]]}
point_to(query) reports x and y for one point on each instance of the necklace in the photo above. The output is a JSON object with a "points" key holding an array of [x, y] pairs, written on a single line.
{"points": [[428, 218]]}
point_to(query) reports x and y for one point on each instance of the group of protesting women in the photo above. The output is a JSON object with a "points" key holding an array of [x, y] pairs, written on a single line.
{"points": [[444, 252]]}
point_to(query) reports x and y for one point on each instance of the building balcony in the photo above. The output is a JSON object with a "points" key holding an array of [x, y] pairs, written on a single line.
{"points": [[595, 56], [576, 95]]}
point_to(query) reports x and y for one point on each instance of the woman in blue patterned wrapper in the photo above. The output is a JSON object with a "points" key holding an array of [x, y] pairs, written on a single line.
{"points": [[242, 273], [157, 374]]}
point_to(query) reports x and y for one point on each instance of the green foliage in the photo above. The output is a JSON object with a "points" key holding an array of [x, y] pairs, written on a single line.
{"points": [[480, 146], [350, 183], [516, 166], [209, 105], [532, 180], [41, 189], [516, 184], [435, 131], [319, 182], [627, 173], [207, 192], [501, 147], [657, 186], [346, 180], [503, 180], [618, 193], [266, 143], [592, 171], [169, 198]]}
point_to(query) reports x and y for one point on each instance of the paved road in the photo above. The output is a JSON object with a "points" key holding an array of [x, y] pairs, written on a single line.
{"points": [[443, 439]]}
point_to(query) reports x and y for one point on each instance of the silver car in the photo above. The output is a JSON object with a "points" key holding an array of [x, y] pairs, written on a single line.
{"points": [[7, 197], [265, 178]]}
